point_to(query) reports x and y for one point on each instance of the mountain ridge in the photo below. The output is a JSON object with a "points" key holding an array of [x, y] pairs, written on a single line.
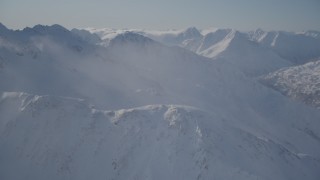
{"points": [[150, 132]]}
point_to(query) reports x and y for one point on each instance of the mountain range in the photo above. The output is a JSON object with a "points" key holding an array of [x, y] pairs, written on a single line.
{"points": [[145, 104]]}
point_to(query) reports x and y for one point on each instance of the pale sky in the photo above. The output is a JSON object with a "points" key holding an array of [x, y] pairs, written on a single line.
{"points": [[290, 15]]}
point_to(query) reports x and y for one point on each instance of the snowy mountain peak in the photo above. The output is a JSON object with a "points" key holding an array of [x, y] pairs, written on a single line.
{"points": [[48, 29], [130, 37], [213, 37], [219, 41], [191, 32], [57, 31], [256, 35], [3, 27], [87, 36], [236, 34], [4, 30]]}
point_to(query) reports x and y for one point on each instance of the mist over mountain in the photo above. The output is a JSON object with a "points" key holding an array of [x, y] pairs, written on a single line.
{"points": [[147, 104]]}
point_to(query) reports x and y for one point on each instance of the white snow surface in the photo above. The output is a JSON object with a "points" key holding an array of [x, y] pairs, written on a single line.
{"points": [[62, 138], [74, 106]]}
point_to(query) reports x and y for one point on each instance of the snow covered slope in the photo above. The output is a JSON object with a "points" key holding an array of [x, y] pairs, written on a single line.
{"points": [[46, 137], [298, 82], [132, 71], [225, 121], [44, 60], [249, 56]]}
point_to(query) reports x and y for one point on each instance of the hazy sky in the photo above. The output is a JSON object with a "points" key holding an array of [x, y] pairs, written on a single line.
{"points": [[292, 15]]}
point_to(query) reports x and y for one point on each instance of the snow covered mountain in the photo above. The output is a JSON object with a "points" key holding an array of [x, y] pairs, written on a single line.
{"points": [[298, 82], [233, 46], [297, 48], [62, 138], [77, 106]]}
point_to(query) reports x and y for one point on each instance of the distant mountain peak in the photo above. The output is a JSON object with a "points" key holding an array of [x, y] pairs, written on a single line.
{"points": [[191, 32], [87, 36], [45, 28], [3, 27], [130, 37]]}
